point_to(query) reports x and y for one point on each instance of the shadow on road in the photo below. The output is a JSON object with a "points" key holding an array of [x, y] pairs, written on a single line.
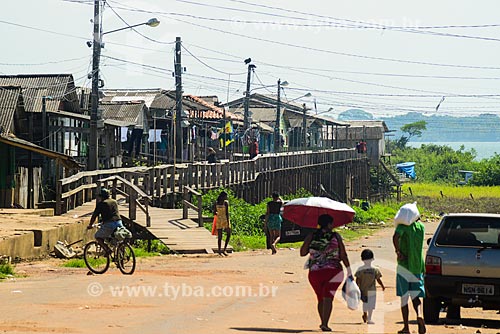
{"points": [[468, 322], [463, 322], [271, 330]]}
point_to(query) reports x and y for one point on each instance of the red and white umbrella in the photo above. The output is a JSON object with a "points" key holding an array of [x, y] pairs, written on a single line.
{"points": [[305, 211]]}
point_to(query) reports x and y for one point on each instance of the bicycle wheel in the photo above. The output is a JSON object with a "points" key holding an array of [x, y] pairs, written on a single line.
{"points": [[125, 258], [95, 258]]}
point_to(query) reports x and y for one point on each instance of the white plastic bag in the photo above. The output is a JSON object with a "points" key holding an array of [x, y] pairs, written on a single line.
{"points": [[351, 293], [407, 214], [122, 233]]}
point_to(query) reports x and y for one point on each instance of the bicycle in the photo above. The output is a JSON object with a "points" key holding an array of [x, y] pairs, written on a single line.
{"points": [[122, 254]]}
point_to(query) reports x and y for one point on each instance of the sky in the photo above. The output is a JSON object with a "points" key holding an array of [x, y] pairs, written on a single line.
{"points": [[387, 57]]}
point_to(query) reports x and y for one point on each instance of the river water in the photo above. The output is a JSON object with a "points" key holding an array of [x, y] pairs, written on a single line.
{"points": [[484, 150]]}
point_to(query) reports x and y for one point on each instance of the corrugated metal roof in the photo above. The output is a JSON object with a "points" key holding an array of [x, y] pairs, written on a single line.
{"points": [[330, 120], [130, 113], [66, 160], [297, 122], [60, 87], [264, 127], [10, 98], [155, 98], [264, 114], [369, 123], [87, 118]]}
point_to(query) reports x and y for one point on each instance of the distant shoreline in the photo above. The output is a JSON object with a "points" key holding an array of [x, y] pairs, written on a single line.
{"points": [[484, 149]]}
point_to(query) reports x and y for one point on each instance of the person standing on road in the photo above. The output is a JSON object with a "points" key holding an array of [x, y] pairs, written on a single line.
{"points": [[326, 254], [108, 209], [273, 220], [366, 277], [408, 244], [221, 209]]}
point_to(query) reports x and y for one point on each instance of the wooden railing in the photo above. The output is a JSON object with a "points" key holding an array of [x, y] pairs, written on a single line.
{"points": [[133, 194], [161, 180], [188, 194], [80, 188]]}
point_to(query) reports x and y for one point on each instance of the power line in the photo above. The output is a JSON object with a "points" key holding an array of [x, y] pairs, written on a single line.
{"points": [[299, 46], [210, 67], [337, 52], [44, 63], [402, 75], [366, 24]]}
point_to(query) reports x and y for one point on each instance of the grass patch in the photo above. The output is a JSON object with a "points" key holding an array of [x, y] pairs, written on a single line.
{"points": [[140, 250], [453, 198], [243, 243], [6, 270], [247, 242], [357, 231], [157, 248], [433, 190], [74, 263]]}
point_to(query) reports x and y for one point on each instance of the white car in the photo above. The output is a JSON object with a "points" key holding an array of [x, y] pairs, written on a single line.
{"points": [[463, 265]]}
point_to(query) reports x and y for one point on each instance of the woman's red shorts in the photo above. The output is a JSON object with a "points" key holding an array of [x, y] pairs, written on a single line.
{"points": [[325, 282]]}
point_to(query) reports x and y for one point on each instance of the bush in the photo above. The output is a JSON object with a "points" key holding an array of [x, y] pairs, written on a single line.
{"points": [[245, 217], [6, 270], [377, 213]]}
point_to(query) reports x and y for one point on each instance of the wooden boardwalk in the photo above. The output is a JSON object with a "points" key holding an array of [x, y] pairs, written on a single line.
{"points": [[179, 235]]}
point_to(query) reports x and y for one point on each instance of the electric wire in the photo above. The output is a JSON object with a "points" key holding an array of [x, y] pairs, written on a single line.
{"points": [[308, 48], [208, 66]]}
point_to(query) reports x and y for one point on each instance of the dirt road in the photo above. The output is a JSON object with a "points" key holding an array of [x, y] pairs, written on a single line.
{"points": [[248, 292]]}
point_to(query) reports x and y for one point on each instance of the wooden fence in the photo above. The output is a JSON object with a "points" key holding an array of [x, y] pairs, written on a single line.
{"points": [[162, 180]]}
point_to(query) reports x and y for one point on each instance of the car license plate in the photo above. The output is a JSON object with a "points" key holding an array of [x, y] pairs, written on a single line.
{"points": [[478, 289], [292, 232]]}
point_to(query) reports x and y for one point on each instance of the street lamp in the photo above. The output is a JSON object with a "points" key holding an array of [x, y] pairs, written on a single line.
{"points": [[93, 155], [151, 22]]}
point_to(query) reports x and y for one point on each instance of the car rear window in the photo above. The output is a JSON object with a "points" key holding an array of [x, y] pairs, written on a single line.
{"points": [[469, 232]]}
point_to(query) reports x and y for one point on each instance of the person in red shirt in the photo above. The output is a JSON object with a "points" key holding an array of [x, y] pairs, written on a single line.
{"points": [[254, 149]]}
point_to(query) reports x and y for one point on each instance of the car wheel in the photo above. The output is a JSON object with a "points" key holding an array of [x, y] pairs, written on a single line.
{"points": [[432, 307], [453, 312]]}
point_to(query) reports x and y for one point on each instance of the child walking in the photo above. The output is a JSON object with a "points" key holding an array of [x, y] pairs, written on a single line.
{"points": [[366, 276]]}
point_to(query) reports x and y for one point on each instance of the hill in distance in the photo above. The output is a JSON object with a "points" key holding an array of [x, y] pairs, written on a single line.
{"points": [[440, 128]]}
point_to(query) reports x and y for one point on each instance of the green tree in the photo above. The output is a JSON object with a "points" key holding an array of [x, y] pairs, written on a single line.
{"points": [[411, 130]]}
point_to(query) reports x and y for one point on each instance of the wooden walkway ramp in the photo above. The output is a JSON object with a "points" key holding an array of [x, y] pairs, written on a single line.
{"points": [[182, 236]]}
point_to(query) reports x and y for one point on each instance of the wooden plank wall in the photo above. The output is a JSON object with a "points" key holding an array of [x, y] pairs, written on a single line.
{"points": [[21, 189]]}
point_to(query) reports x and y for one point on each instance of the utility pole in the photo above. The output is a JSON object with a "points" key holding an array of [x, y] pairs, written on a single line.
{"points": [[277, 137], [178, 100], [93, 154], [45, 169], [304, 126], [246, 115], [31, 193]]}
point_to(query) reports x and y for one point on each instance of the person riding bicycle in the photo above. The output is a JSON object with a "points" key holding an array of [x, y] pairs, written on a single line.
{"points": [[108, 209]]}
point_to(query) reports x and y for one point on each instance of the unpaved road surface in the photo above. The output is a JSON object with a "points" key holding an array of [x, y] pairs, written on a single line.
{"points": [[250, 292]]}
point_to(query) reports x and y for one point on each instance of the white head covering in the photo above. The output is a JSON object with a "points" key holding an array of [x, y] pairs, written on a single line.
{"points": [[407, 214]]}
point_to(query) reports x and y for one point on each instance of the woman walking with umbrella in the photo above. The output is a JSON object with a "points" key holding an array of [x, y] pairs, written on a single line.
{"points": [[326, 254]]}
